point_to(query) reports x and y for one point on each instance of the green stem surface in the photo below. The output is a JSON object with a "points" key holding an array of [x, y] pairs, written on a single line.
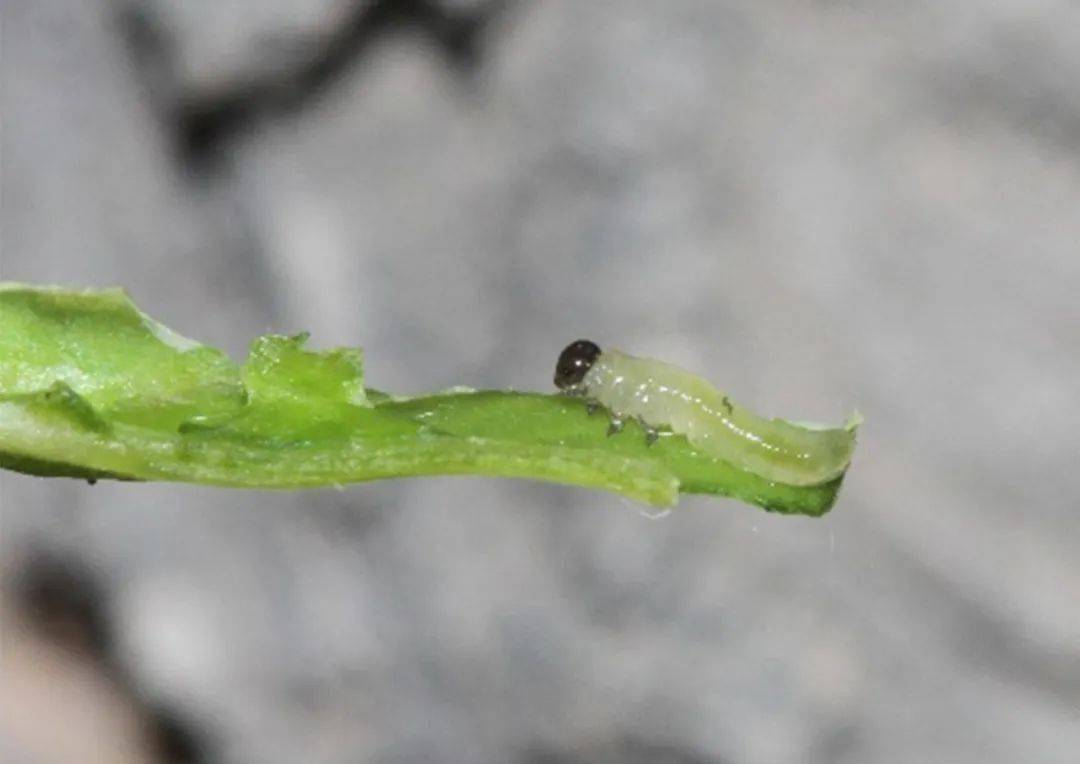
{"points": [[90, 387]]}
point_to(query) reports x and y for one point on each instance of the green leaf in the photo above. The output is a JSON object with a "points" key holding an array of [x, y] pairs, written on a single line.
{"points": [[91, 387]]}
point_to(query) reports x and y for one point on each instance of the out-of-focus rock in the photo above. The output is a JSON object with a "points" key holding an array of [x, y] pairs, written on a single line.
{"points": [[819, 206]]}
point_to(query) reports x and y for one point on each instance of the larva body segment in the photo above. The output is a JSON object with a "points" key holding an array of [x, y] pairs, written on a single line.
{"points": [[664, 395]]}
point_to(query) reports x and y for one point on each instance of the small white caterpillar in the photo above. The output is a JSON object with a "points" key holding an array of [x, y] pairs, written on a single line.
{"points": [[662, 395]]}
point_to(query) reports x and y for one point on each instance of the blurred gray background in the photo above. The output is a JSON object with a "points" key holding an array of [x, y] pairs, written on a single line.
{"points": [[818, 205]]}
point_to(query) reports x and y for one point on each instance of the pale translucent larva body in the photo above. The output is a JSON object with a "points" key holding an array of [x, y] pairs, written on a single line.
{"points": [[663, 395]]}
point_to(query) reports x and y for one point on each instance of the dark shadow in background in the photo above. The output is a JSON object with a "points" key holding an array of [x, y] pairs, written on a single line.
{"points": [[202, 124], [64, 602]]}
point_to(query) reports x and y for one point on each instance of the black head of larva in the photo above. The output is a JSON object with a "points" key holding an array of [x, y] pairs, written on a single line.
{"points": [[574, 363]]}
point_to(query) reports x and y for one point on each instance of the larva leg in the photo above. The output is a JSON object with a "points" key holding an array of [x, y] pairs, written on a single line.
{"points": [[616, 425], [651, 435], [592, 407]]}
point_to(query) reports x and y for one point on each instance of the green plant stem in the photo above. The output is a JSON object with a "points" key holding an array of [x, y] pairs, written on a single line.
{"points": [[90, 387]]}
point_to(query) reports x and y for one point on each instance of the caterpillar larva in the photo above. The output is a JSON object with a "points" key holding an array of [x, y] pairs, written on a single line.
{"points": [[662, 395]]}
